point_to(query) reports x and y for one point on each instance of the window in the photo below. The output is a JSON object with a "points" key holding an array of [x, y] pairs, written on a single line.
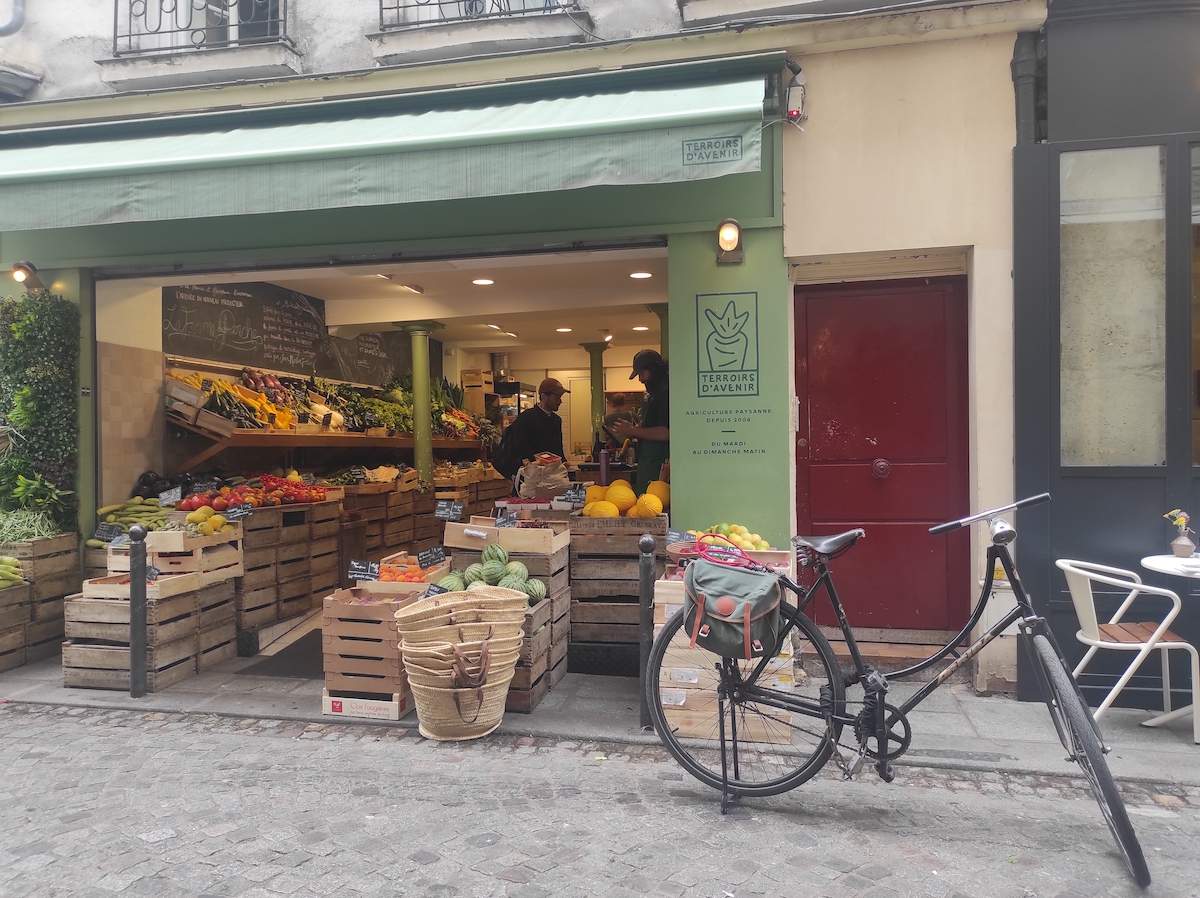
{"points": [[1112, 230], [159, 26]]}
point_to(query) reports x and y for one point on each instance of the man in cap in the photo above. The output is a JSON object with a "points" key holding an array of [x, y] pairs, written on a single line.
{"points": [[536, 430], [653, 434]]}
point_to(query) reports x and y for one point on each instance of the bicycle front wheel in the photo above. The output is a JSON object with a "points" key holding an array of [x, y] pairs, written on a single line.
{"points": [[775, 736], [1074, 724]]}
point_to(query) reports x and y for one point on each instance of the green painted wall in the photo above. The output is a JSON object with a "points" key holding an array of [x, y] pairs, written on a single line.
{"points": [[731, 396]]}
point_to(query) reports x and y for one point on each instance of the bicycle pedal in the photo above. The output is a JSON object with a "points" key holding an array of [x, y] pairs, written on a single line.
{"points": [[886, 772]]}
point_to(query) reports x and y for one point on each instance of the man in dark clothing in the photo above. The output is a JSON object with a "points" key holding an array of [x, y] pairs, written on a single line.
{"points": [[653, 434], [535, 430]]}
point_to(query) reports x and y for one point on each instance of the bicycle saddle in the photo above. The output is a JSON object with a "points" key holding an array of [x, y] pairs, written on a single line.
{"points": [[827, 545]]}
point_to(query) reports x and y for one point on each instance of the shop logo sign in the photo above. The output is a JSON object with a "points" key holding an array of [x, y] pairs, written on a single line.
{"points": [[727, 344], [710, 150]]}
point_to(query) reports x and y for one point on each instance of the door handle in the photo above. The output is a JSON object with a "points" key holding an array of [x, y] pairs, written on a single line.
{"points": [[880, 468]]}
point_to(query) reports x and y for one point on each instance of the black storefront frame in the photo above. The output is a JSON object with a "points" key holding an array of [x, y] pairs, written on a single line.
{"points": [[1107, 514]]}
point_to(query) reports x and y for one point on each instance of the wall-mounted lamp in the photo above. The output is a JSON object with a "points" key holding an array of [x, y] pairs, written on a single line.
{"points": [[729, 241], [794, 96], [25, 273]]}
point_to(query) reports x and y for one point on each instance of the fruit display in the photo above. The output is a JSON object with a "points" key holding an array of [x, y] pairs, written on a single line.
{"points": [[10, 572], [135, 510], [391, 572], [740, 536], [263, 491], [495, 569], [618, 500], [208, 521]]}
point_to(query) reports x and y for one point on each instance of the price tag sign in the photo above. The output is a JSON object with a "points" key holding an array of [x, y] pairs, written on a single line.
{"points": [[575, 494], [203, 486], [508, 519], [206, 386], [678, 536], [108, 532], [237, 512], [302, 418], [122, 540], [171, 496], [448, 510], [359, 473], [308, 479], [431, 557], [364, 570], [152, 573], [435, 590], [327, 419]]}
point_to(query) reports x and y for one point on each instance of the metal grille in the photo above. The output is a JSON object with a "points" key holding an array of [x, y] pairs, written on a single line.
{"points": [[414, 13], [169, 26]]}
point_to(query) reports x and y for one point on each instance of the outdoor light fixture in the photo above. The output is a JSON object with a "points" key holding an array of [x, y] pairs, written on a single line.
{"points": [[25, 273], [641, 327], [795, 95], [483, 282], [641, 275], [729, 241]]}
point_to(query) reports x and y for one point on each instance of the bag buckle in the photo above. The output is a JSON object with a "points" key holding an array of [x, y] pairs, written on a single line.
{"points": [[756, 645], [704, 630]]}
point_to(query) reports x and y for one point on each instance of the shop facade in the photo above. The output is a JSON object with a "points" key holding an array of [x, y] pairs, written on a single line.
{"points": [[896, 186]]}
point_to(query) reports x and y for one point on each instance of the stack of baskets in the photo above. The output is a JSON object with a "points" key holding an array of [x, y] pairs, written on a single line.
{"points": [[460, 650]]}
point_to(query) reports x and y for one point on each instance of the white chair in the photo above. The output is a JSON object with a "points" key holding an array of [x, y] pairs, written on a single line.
{"points": [[1140, 636]]}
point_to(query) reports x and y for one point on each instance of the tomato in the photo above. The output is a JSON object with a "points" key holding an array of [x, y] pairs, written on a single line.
{"points": [[220, 503], [184, 504]]}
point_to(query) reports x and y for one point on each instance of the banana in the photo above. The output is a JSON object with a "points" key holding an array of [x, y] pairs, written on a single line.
{"points": [[108, 509], [10, 561]]}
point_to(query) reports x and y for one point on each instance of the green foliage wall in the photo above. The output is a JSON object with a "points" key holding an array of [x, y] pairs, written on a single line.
{"points": [[39, 390]]}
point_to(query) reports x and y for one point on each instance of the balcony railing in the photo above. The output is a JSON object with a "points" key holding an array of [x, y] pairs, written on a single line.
{"points": [[395, 14], [144, 27]]}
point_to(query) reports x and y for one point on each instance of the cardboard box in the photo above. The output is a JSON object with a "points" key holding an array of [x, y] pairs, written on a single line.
{"points": [[473, 400], [394, 708], [477, 377]]}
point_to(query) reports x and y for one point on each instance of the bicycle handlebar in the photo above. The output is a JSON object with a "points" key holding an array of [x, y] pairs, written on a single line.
{"points": [[990, 513]]}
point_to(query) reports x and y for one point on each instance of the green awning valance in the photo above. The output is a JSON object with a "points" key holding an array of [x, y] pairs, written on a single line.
{"points": [[634, 137]]}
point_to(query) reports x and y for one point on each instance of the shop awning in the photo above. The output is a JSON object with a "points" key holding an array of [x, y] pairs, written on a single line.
{"points": [[645, 136]]}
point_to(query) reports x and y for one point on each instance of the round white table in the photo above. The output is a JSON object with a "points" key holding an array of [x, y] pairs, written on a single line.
{"points": [[1179, 567]]}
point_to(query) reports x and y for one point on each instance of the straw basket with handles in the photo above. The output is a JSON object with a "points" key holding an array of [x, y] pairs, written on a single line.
{"points": [[461, 649]]}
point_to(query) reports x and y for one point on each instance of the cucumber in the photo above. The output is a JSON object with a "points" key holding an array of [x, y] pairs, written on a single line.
{"points": [[109, 509], [95, 544]]}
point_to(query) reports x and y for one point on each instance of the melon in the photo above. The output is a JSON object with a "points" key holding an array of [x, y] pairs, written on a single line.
{"points": [[518, 570], [661, 490], [620, 496], [595, 493], [535, 589], [493, 572], [495, 553], [478, 584], [511, 582], [473, 573], [605, 510], [453, 582], [649, 506]]}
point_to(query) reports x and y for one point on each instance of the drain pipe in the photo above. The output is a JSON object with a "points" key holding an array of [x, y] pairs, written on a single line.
{"points": [[13, 25], [1024, 75]]}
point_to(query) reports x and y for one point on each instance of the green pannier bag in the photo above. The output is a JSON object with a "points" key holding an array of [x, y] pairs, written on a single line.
{"points": [[731, 611]]}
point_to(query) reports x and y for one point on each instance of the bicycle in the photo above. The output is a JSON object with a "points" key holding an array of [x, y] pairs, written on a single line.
{"points": [[761, 727]]}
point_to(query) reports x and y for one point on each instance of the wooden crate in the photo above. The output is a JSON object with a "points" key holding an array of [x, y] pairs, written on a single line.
{"points": [[257, 605], [559, 669], [324, 583], [12, 646], [216, 644], [536, 617], [560, 628], [453, 494], [623, 569], [558, 651], [547, 568], [525, 700], [31, 550], [167, 620], [476, 534], [116, 586], [95, 562], [55, 587], [180, 541], [294, 561], [526, 673], [535, 645], [348, 703], [213, 563], [424, 501], [656, 526], [326, 519], [295, 597], [324, 555], [597, 620], [560, 603], [357, 491], [43, 639], [399, 505], [428, 527], [15, 606], [106, 666], [398, 533], [295, 523]]}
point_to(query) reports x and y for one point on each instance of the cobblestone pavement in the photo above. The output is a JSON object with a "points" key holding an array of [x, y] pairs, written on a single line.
{"points": [[105, 802]]}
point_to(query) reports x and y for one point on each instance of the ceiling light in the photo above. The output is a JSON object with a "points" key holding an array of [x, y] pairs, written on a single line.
{"points": [[494, 327], [510, 333], [641, 327], [641, 275], [412, 288], [386, 277], [563, 330], [607, 337], [483, 282]]}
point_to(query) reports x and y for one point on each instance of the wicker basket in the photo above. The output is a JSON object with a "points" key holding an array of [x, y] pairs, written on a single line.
{"points": [[450, 715], [441, 654], [488, 604]]}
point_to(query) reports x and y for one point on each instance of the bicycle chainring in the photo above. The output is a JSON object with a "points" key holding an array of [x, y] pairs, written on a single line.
{"points": [[899, 733]]}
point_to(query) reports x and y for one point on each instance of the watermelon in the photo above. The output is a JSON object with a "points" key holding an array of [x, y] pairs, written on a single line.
{"points": [[518, 570], [536, 590], [495, 553], [493, 571], [453, 582], [476, 584], [511, 582], [472, 573]]}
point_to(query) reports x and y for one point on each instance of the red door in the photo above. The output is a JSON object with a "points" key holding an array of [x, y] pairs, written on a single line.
{"points": [[881, 374]]}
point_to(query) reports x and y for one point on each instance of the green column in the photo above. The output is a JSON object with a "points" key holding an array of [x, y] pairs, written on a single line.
{"points": [[660, 309], [596, 352], [419, 331]]}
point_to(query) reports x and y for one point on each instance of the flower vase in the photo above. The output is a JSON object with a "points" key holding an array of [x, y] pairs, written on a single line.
{"points": [[1182, 546]]}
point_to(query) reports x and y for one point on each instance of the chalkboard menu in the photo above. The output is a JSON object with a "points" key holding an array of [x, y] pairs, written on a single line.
{"points": [[259, 325]]}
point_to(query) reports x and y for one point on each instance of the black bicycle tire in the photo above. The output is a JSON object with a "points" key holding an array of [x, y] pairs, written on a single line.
{"points": [[701, 757], [1086, 752]]}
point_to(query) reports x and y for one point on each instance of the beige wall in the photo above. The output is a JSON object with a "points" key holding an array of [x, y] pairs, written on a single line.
{"points": [[129, 313], [908, 149]]}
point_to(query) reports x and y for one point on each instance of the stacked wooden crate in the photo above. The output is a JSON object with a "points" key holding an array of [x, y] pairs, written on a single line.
{"points": [[279, 557], [605, 604], [325, 561], [31, 614], [487, 491], [364, 672], [545, 552], [294, 567], [370, 501], [398, 517], [427, 527]]}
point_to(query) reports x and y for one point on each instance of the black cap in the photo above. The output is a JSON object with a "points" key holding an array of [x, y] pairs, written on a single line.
{"points": [[646, 358]]}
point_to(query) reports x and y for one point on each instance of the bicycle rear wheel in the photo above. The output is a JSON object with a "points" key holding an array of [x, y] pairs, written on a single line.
{"points": [[769, 749], [1074, 725]]}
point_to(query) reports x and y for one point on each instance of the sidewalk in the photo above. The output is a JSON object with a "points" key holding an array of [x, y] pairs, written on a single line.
{"points": [[953, 729]]}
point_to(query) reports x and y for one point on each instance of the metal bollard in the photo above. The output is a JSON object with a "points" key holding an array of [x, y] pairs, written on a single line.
{"points": [[646, 618], [137, 611]]}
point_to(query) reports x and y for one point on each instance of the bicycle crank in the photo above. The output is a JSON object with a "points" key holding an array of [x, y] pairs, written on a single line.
{"points": [[899, 733]]}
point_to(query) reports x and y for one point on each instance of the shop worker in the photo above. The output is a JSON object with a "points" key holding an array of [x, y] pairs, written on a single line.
{"points": [[653, 434], [537, 429]]}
